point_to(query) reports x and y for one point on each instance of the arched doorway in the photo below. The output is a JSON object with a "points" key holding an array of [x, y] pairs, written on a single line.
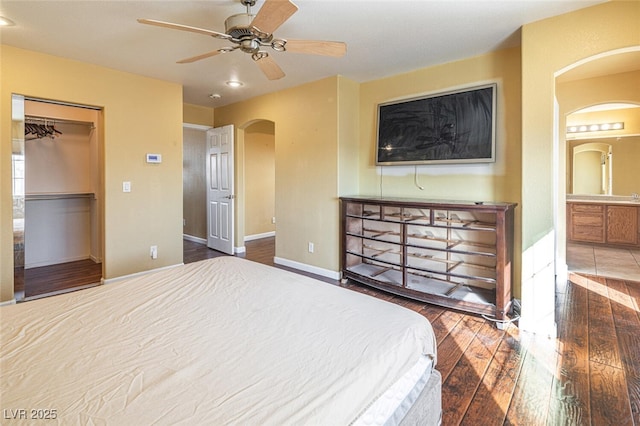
{"points": [[597, 89], [255, 163]]}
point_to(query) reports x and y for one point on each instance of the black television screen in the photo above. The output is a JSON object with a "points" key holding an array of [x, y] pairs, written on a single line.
{"points": [[452, 127]]}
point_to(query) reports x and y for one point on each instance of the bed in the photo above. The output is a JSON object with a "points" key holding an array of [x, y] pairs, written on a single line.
{"points": [[221, 341]]}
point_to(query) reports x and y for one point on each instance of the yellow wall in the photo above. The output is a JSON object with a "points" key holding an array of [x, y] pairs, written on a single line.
{"points": [[260, 182], [306, 176], [499, 181], [196, 114], [617, 87], [548, 47], [348, 138], [141, 115]]}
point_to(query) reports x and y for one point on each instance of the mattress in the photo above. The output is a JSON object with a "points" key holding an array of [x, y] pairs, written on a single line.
{"points": [[222, 341]]}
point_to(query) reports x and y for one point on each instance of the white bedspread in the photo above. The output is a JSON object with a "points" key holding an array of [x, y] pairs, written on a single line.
{"points": [[223, 341]]}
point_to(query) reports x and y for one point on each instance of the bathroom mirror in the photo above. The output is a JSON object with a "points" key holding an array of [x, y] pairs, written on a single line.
{"points": [[600, 164], [592, 168], [18, 190]]}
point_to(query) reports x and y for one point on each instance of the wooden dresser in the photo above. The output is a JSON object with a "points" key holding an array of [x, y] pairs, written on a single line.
{"points": [[603, 223], [453, 254]]}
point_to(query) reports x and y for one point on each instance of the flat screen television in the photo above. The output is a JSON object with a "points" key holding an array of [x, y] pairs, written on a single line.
{"points": [[451, 127]]}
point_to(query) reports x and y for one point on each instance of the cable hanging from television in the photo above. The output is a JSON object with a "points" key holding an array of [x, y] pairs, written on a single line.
{"points": [[415, 179]]}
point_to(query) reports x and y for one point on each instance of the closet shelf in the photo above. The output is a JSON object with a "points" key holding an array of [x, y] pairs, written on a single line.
{"points": [[58, 195], [50, 120]]}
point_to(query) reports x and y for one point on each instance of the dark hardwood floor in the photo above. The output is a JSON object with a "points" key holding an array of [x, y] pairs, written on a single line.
{"points": [[55, 279], [194, 252], [588, 375]]}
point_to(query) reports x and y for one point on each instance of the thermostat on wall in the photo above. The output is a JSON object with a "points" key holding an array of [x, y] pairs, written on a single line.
{"points": [[154, 158]]}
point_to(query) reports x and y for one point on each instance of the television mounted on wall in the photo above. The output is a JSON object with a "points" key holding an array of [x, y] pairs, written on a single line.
{"points": [[457, 126]]}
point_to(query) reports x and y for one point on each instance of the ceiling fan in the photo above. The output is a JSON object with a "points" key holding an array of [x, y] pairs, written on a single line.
{"points": [[252, 33]]}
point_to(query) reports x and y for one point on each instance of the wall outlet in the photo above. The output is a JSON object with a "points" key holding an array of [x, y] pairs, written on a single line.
{"points": [[310, 247], [153, 252], [273, 219], [126, 186]]}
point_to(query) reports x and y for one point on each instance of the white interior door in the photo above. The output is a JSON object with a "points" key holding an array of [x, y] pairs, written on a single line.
{"points": [[220, 205]]}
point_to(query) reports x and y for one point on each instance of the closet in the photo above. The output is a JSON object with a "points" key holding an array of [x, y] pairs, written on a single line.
{"points": [[62, 198]]}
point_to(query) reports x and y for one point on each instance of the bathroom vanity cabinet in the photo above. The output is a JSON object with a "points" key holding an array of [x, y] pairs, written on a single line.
{"points": [[601, 222]]}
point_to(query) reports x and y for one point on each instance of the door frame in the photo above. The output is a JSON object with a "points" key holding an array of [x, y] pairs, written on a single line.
{"points": [[201, 156]]}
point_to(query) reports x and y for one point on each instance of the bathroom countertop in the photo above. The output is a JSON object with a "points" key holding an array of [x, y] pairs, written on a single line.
{"points": [[603, 199]]}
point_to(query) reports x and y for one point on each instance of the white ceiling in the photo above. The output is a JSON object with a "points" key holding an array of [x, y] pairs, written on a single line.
{"points": [[384, 37]]}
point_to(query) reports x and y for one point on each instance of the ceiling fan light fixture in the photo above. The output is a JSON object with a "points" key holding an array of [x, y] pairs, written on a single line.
{"points": [[250, 46], [279, 45], [260, 54], [234, 83]]}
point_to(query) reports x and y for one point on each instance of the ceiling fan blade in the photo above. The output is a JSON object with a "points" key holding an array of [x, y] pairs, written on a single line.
{"points": [[197, 58], [184, 28], [316, 47], [270, 68], [272, 14]]}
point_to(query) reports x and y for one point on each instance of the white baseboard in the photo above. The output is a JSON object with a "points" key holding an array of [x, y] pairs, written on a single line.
{"points": [[259, 236], [194, 239], [138, 274], [307, 268], [8, 302], [239, 250]]}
